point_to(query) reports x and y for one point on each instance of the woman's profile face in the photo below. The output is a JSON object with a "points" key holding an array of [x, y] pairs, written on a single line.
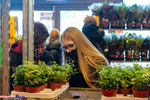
{"points": [[68, 45]]}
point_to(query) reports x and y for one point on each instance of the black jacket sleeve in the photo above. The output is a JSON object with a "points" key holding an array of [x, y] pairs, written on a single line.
{"points": [[47, 57]]}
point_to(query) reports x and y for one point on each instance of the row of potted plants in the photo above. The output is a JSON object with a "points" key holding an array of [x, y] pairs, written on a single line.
{"points": [[119, 14], [34, 78], [127, 46], [134, 78]]}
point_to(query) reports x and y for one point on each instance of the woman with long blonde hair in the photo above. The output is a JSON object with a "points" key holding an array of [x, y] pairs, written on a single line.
{"points": [[87, 58]]}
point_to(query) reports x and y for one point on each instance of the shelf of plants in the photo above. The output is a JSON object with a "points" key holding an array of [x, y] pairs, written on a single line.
{"points": [[121, 97], [46, 93]]}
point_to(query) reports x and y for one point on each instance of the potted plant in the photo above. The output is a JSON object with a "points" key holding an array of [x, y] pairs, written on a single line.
{"points": [[114, 17], [145, 48], [121, 11], [18, 79], [137, 47], [131, 15], [46, 71], [130, 41], [138, 19], [96, 10], [106, 8], [108, 80], [33, 79], [140, 81], [120, 46], [125, 75], [146, 16], [113, 45]]}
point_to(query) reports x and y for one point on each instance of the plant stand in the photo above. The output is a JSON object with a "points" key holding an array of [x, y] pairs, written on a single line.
{"points": [[121, 97], [45, 94]]}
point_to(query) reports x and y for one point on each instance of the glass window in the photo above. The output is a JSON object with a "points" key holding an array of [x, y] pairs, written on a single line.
{"points": [[72, 18], [43, 16]]}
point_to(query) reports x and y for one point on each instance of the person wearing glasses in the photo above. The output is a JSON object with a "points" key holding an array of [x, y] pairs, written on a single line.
{"points": [[87, 58], [54, 46]]}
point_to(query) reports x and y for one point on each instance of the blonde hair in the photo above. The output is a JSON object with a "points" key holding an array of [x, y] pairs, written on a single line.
{"points": [[90, 19], [54, 34], [88, 56]]}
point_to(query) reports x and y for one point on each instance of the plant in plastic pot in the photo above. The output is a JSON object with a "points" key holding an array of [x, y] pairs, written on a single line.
{"points": [[106, 8], [108, 80], [138, 19], [33, 79], [131, 15], [121, 46], [125, 75], [18, 79], [141, 80], [121, 11], [113, 45], [97, 11], [146, 16]]}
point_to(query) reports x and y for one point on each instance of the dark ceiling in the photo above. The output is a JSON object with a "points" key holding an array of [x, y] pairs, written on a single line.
{"points": [[47, 4]]}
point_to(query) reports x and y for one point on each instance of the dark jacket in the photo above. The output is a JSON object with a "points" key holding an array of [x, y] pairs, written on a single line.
{"points": [[54, 48], [95, 36]]}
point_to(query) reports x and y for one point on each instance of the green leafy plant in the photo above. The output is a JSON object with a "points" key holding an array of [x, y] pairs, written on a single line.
{"points": [[141, 78], [18, 76], [139, 13], [131, 13], [121, 11], [125, 75], [108, 78], [32, 74]]}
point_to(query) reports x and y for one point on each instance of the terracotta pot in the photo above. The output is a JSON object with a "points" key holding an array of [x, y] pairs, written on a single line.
{"points": [[140, 94], [33, 89], [20, 88], [113, 56], [42, 87], [109, 93], [137, 24], [122, 25], [45, 85], [64, 82], [136, 56], [121, 56], [106, 23], [124, 91], [113, 24], [145, 24], [129, 24], [68, 78], [129, 56], [54, 86]]}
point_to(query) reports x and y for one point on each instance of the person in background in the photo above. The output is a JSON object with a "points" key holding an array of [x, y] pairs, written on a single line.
{"points": [[87, 58], [54, 46], [16, 49], [95, 34]]}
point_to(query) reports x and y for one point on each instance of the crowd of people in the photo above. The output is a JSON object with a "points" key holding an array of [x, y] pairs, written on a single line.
{"points": [[86, 48]]}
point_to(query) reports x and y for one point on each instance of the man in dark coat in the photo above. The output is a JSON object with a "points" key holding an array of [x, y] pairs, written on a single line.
{"points": [[16, 49]]}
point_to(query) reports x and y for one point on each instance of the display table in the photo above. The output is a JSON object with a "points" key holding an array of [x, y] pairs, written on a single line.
{"points": [[46, 93], [121, 97]]}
